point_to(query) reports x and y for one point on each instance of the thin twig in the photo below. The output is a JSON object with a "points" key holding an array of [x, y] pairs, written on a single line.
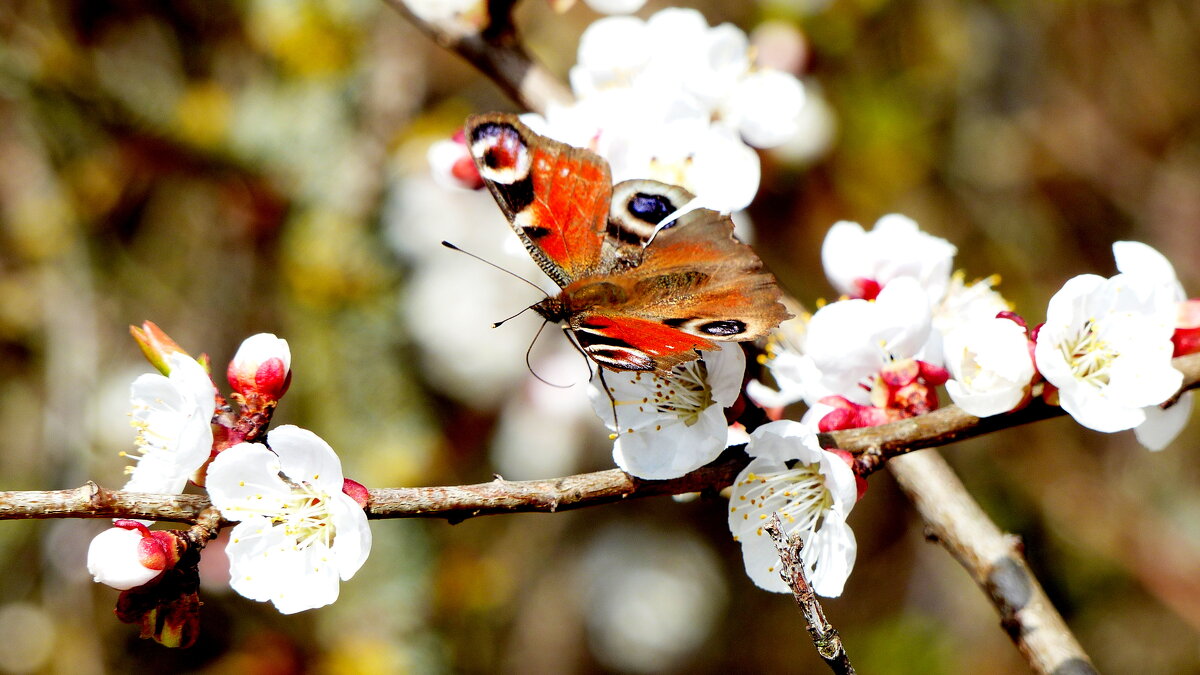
{"points": [[495, 48], [824, 636], [994, 560]]}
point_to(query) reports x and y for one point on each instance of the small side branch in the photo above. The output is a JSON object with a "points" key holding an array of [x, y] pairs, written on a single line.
{"points": [[994, 560], [824, 636], [492, 45]]}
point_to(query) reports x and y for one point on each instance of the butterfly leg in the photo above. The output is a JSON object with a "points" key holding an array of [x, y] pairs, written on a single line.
{"points": [[599, 370]]}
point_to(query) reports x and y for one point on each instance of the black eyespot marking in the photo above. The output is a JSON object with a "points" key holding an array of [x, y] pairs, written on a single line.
{"points": [[728, 327], [535, 232], [650, 207]]}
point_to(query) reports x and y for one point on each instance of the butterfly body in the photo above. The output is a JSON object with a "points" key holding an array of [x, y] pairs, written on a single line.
{"points": [[634, 295]]}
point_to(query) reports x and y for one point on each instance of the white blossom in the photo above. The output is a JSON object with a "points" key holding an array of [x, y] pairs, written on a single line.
{"points": [[298, 532], [990, 364], [669, 427], [849, 341], [172, 415], [1106, 345], [813, 496], [895, 248]]}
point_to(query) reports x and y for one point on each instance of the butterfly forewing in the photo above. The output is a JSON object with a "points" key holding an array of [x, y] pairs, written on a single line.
{"points": [[555, 196]]}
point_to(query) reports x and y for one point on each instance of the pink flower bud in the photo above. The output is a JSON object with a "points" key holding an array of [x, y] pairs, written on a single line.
{"points": [[156, 345], [356, 491], [129, 555], [262, 367]]}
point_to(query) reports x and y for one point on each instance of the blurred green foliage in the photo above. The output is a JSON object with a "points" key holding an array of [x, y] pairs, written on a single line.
{"points": [[223, 168]]}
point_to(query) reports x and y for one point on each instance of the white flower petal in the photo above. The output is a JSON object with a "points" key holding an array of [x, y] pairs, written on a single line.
{"points": [[304, 456], [244, 479], [1163, 426]]}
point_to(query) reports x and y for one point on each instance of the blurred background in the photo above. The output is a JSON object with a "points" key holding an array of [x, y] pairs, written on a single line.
{"points": [[225, 168]]}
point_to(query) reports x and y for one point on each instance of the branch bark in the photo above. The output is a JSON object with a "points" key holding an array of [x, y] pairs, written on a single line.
{"points": [[874, 445], [495, 49], [994, 561]]}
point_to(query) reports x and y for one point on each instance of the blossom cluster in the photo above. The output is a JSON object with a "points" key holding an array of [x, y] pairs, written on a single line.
{"points": [[904, 325], [301, 525], [673, 99]]}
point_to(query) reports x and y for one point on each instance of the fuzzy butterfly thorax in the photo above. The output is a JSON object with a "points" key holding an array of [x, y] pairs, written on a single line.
{"points": [[635, 296]]}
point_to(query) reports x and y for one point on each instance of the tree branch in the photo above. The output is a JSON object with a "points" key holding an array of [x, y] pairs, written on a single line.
{"points": [[493, 46], [824, 636], [459, 502], [993, 559]]}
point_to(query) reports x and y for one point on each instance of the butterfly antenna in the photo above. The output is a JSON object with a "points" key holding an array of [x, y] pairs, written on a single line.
{"points": [[511, 273], [504, 321], [529, 362]]}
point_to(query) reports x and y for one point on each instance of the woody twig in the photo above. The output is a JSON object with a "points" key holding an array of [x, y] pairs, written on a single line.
{"points": [[490, 42], [824, 636]]}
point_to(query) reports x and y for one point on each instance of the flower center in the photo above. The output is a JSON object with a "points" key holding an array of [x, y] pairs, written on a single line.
{"points": [[306, 517], [1088, 355], [686, 395], [798, 494]]}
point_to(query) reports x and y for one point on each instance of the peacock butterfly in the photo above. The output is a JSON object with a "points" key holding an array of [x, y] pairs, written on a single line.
{"points": [[635, 296]]}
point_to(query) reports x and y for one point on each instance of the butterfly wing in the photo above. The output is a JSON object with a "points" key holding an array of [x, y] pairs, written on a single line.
{"points": [[675, 290], [556, 196]]}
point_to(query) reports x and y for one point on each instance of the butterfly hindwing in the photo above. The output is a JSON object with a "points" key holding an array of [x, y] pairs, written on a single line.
{"points": [[555, 196]]}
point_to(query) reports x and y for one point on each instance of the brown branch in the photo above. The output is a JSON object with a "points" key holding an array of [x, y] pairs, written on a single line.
{"points": [[994, 561], [494, 47], [456, 503], [824, 636]]}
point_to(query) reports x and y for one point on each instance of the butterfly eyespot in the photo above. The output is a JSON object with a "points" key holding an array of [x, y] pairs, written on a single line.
{"points": [[650, 207], [727, 327], [503, 154]]}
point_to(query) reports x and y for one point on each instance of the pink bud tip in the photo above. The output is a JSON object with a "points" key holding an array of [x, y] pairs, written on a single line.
{"points": [[1014, 317], [356, 491]]}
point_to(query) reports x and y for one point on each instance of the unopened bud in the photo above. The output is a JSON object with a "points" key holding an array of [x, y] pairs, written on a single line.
{"points": [[156, 345], [129, 555], [262, 366], [356, 491]]}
